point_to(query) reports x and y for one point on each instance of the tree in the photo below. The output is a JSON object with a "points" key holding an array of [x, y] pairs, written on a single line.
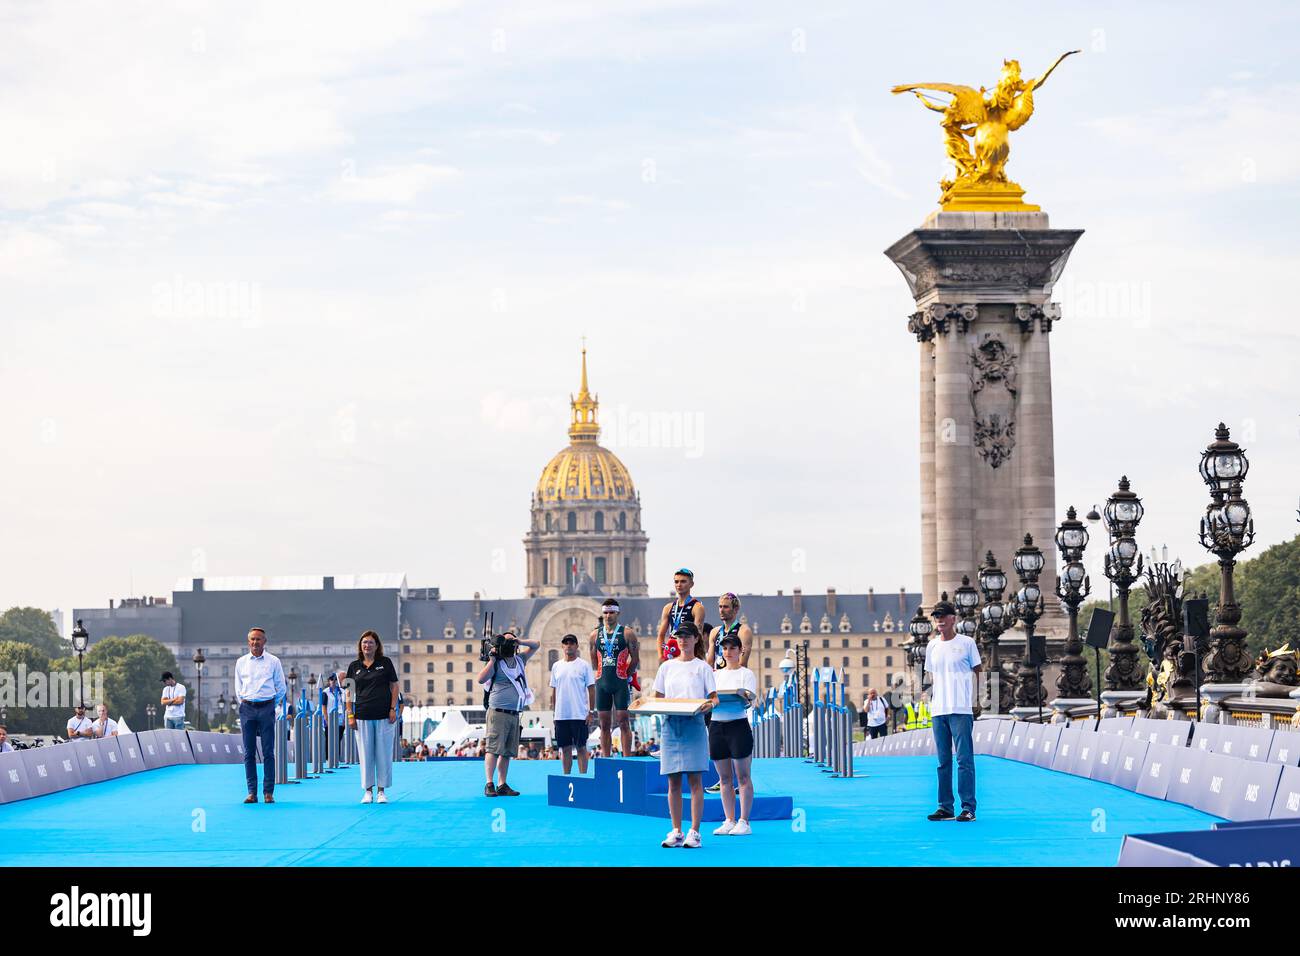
{"points": [[31, 625], [19, 719], [131, 667]]}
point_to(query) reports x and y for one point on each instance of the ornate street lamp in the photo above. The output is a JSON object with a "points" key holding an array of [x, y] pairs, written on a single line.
{"points": [[149, 711], [1072, 586], [993, 621], [1123, 566], [967, 600], [199, 661], [80, 641], [293, 683], [1226, 530], [1028, 608], [920, 627]]}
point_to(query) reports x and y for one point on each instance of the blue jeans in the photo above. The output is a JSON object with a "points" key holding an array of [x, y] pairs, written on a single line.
{"points": [[174, 723], [953, 731], [257, 721]]}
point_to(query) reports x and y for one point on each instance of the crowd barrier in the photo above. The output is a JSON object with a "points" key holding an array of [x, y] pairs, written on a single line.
{"points": [[38, 771], [43, 770], [1235, 772]]}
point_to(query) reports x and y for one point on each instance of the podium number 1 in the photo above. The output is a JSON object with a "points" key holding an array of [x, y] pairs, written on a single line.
{"points": [[620, 786], [570, 793]]}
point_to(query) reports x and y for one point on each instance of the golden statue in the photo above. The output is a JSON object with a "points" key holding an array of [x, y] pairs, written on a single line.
{"points": [[987, 116]]}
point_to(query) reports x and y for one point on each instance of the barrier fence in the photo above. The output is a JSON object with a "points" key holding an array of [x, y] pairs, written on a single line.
{"points": [[779, 730], [303, 740], [1236, 772]]}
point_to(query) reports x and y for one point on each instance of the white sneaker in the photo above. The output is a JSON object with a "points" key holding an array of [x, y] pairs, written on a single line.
{"points": [[382, 798], [727, 827], [674, 838], [692, 839], [367, 798], [741, 828]]}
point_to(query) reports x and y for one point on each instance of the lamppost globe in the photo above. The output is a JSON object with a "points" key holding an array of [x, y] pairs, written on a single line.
{"points": [[1071, 536], [920, 627], [1223, 461], [1123, 510], [80, 638], [1074, 574], [1028, 560], [966, 597]]}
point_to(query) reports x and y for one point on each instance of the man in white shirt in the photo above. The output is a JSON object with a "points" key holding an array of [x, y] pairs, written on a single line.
{"points": [[79, 724], [103, 725], [260, 689], [876, 715], [173, 701], [953, 662], [573, 699]]}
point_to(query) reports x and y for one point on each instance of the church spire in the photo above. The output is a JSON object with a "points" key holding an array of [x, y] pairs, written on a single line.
{"points": [[584, 427]]}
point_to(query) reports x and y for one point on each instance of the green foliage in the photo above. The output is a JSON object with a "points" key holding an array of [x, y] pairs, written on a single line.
{"points": [[30, 625], [1267, 587], [131, 667], [21, 720]]}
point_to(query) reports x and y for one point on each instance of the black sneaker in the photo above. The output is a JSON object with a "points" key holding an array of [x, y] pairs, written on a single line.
{"points": [[489, 790], [505, 791], [966, 816], [941, 814], [716, 788]]}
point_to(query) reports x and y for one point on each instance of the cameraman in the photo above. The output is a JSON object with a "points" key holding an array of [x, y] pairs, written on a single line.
{"points": [[507, 694]]}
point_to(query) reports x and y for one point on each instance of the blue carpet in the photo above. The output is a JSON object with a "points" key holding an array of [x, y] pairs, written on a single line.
{"points": [[192, 816]]}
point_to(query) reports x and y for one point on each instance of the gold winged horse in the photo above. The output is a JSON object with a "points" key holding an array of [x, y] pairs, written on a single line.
{"points": [[988, 117]]}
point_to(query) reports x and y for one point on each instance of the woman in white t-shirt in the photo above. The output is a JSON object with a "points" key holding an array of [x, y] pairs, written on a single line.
{"points": [[731, 742], [685, 746]]}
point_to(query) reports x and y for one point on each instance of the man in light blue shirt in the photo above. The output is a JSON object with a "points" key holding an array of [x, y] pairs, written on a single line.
{"points": [[260, 689]]}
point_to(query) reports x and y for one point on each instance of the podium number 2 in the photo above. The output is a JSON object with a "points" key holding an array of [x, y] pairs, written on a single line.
{"points": [[570, 793], [620, 786]]}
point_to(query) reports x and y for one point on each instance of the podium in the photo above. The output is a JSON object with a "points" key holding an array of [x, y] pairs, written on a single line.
{"points": [[635, 785]]}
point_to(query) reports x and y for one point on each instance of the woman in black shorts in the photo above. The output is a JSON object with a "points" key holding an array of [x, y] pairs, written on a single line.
{"points": [[731, 742]]}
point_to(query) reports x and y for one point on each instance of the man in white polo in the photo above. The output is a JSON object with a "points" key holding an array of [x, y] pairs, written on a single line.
{"points": [[952, 662], [173, 701]]}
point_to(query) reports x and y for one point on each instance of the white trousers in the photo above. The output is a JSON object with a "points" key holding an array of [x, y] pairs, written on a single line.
{"points": [[375, 745]]}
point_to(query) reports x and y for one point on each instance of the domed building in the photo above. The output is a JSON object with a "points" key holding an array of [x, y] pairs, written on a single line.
{"points": [[585, 536]]}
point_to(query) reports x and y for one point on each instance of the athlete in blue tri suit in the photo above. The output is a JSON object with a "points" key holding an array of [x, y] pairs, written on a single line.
{"points": [[685, 609], [615, 657]]}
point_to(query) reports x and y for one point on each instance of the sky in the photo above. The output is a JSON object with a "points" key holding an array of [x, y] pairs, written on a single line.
{"points": [[301, 288]]}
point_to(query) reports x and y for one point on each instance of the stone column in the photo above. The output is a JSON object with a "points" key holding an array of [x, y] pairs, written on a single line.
{"points": [[929, 563], [954, 505], [1037, 471], [982, 283]]}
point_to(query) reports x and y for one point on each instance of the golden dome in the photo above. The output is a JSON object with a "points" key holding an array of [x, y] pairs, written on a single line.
{"points": [[585, 471]]}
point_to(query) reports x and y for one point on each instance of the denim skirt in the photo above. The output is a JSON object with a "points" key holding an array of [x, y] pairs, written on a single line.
{"points": [[685, 747]]}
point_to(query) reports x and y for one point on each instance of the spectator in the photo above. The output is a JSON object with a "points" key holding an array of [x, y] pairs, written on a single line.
{"points": [[173, 701], [573, 700], [4, 740], [79, 723], [259, 689], [874, 717], [103, 726]]}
